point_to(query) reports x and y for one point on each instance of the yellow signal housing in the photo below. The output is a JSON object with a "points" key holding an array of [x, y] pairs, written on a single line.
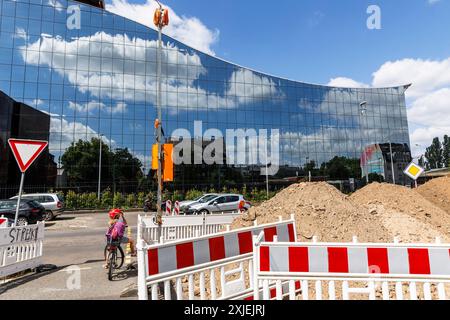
{"points": [[167, 172], [155, 157]]}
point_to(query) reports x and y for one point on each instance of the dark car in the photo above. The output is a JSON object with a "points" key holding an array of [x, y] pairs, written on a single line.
{"points": [[30, 211]]}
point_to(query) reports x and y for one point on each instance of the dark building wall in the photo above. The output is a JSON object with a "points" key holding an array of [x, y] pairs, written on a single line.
{"points": [[6, 106], [24, 122]]}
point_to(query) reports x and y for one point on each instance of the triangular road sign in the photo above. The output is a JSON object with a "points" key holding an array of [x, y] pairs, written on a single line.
{"points": [[26, 151]]}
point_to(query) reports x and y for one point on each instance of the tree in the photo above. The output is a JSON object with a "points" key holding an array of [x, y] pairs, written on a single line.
{"points": [[446, 151], [422, 162], [434, 154], [81, 162], [341, 168]]}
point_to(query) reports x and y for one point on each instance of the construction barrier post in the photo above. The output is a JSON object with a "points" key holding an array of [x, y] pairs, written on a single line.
{"points": [[142, 285], [168, 207]]}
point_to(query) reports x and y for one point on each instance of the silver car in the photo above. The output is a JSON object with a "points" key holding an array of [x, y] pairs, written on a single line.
{"points": [[202, 199], [52, 202], [224, 203]]}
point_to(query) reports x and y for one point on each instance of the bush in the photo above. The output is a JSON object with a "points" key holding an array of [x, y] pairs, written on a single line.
{"points": [[106, 199], [177, 196], [130, 201], [140, 199], [87, 201], [71, 200], [193, 194], [118, 200]]}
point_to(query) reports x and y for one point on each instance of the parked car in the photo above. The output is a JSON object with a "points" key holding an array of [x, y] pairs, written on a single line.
{"points": [[30, 211], [52, 202], [202, 199], [225, 203]]}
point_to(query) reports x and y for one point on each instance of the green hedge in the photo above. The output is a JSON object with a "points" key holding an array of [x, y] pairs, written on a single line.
{"points": [[108, 200]]}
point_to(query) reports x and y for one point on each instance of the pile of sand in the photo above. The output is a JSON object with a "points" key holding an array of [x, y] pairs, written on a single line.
{"points": [[437, 191], [376, 213], [404, 212], [320, 210]]}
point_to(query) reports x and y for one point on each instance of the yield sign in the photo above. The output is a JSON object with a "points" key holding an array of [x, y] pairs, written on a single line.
{"points": [[26, 151]]}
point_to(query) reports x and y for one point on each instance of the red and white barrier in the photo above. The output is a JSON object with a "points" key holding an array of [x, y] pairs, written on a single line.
{"points": [[168, 208], [176, 208], [170, 263], [187, 253], [370, 263], [3, 222], [388, 260]]}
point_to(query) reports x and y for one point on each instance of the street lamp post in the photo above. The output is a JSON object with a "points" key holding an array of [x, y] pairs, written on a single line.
{"points": [[363, 109], [392, 162], [99, 166]]}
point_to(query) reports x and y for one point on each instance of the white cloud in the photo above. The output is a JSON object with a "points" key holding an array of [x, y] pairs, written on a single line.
{"points": [[433, 1], [56, 4], [428, 97], [189, 30], [64, 132], [426, 76], [432, 109], [346, 83], [93, 106], [137, 81]]}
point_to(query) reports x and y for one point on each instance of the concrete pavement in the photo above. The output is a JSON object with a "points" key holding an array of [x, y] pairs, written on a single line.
{"points": [[75, 245]]}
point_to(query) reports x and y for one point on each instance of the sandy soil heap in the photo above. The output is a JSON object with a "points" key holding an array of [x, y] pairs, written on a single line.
{"points": [[404, 212], [322, 210], [437, 191], [376, 213]]}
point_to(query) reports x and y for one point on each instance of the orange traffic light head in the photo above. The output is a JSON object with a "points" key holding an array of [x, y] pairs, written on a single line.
{"points": [[161, 18]]}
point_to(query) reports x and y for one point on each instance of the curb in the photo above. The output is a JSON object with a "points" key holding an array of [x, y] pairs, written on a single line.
{"points": [[97, 211]]}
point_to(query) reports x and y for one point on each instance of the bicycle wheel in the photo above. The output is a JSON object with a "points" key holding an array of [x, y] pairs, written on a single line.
{"points": [[120, 257], [111, 262]]}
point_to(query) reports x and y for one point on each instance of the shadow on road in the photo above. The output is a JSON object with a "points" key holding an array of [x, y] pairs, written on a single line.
{"points": [[34, 276], [126, 273], [64, 218]]}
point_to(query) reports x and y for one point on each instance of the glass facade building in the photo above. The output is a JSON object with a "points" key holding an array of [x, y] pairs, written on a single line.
{"points": [[94, 72]]}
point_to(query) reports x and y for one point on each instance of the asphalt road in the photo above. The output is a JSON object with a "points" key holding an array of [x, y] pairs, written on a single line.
{"points": [[74, 243]]}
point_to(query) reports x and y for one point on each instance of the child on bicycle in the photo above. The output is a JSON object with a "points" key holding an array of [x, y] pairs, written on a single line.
{"points": [[116, 215]]}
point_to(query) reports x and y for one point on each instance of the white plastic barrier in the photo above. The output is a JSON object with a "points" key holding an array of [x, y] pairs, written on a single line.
{"points": [[182, 226], [221, 262], [20, 248], [341, 270]]}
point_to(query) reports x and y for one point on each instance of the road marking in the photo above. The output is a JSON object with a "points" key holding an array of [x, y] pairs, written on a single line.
{"points": [[68, 268]]}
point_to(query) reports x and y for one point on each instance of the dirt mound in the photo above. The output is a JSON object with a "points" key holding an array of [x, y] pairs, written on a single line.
{"points": [[404, 212], [437, 191], [322, 210]]}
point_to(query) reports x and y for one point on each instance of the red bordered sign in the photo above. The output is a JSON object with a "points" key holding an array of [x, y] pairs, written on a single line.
{"points": [[26, 151]]}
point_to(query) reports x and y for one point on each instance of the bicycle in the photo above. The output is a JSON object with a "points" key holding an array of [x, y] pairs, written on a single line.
{"points": [[114, 256]]}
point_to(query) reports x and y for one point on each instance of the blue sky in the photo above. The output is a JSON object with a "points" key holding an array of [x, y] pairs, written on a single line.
{"points": [[327, 42], [321, 39]]}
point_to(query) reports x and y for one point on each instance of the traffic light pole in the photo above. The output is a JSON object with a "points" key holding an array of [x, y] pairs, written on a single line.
{"points": [[159, 128]]}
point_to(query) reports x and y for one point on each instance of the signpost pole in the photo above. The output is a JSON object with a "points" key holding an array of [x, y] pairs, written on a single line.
{"points": [[19, 198]]}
